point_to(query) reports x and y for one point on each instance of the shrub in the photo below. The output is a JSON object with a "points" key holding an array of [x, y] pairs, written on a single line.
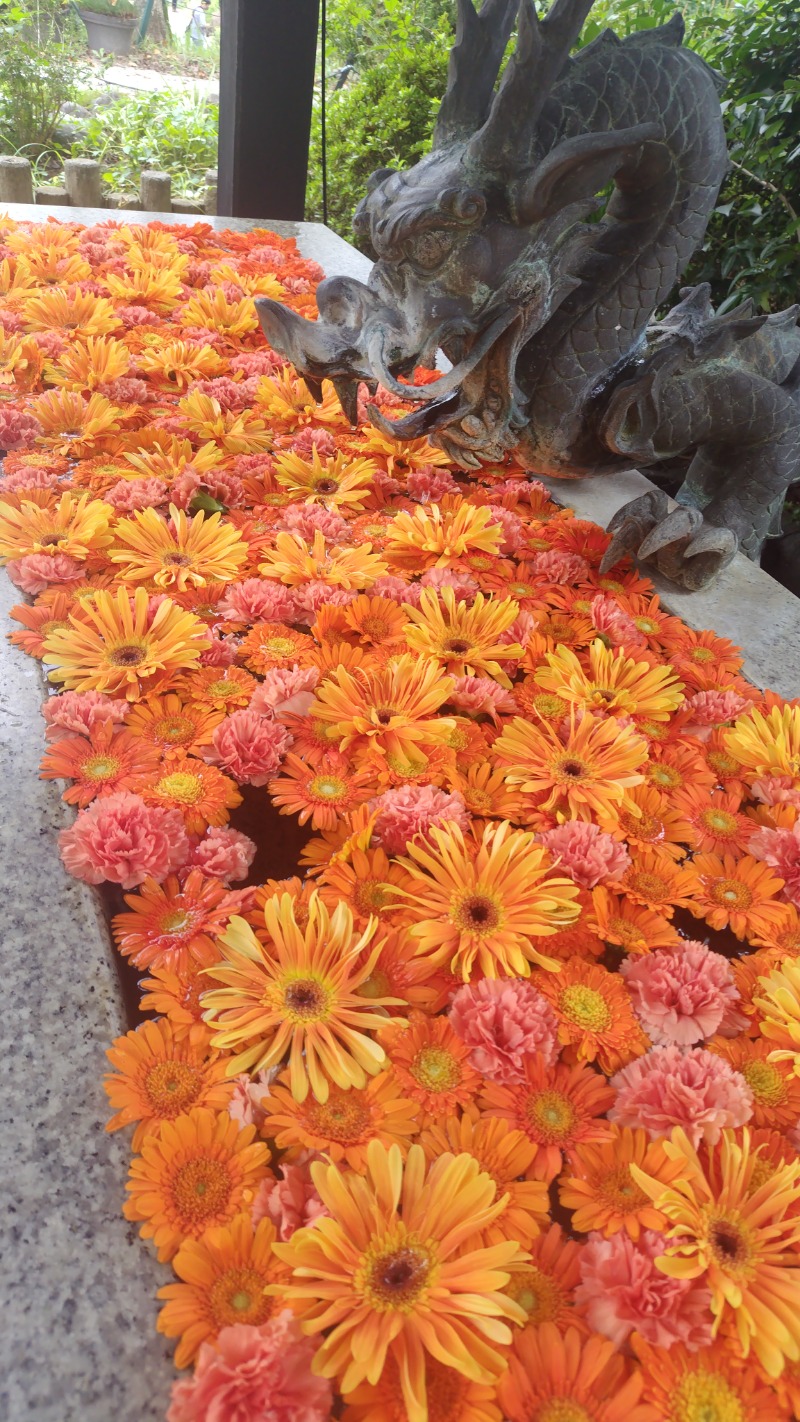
{"points": [[173, 132], [40, 68]]}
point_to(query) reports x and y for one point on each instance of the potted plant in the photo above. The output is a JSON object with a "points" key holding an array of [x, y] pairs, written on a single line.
{"points": [[109, 24]]}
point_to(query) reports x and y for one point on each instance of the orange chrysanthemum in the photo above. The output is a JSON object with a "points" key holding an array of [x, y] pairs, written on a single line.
{"points": [[556, 1107], [595, 1019], [223, 1277], [485, 908], [99, 764], [224, 688], [157, 1077], [601, 1191], [390, 1271], [170, 925], [740, 894], [583, 775], [201, 792], [179, 553], [504, 1155], [342, 1127], [555, 1377], [430, 1064], [199, 1172], [298, 994]]}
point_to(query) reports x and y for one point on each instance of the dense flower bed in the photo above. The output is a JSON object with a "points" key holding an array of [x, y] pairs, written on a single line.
{"points": [[492, 1110]]}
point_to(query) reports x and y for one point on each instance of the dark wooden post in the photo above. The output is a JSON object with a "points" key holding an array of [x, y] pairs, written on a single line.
{"points": [[268, 52]]}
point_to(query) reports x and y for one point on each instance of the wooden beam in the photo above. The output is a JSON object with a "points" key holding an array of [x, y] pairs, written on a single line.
{"points": [[268, 51]]}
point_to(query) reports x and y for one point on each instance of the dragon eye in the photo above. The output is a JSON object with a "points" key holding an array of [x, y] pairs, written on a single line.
{"points": [[429, 249]]}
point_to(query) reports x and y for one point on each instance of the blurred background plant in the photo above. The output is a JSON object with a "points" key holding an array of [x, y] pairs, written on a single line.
{"points": [[40, 70], [174, 132]]}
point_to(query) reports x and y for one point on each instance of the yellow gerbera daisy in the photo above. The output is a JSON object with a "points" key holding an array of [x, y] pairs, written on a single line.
{"points": [[147, 285], [112, 646], [71, 310], [338, 482], [484, 909], [582, 776], [767, 745], [72, 425], [614, 684], [435, 537], [292, 561], [87, 363], [169, 459], [21, 362], [236, 432], [298, 995], [212, 310], [779, 1005], [77, 525], [392, 710], [178, 365], [180, 552], [390, 1272], [465, 639]]}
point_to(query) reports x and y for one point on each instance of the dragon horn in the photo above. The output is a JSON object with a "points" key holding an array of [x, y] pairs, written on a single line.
{"points": [[475, 59], [542, 51]]}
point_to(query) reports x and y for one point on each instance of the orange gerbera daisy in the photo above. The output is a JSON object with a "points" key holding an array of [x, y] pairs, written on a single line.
{"points": [[147, 286], [740, 894], [293, 562], [484, 908], [506, 1156], [375, 621], [178, 365], [159, 1077], [450, 1397], [485, 793], [557, 1107], [71, 310], [169, 723], [224, 688], [365, 880], [464, 638], [603, 1194], [674, 767], [77, 526], [171, 925], [398, 973], [595, 1018], [555, 1377], [644, 819], [742, 1241], [628, 925], [392, 710], [655, 881], [545, 1286], [783, 934], [713, 822], [587, 773], [200, 1172], [114, 647], [770, 1076], [320, 793], [390, 1271], [430, 1064], [72, 425], [223, 1278], [299, 994], [274, 644], [438, 536], [338, 482], [39, 622], [705, 1385], [614, 685], [176, 997], [183, 551], [99, 764], [767, 745], [201, 792], [342, 1126]]}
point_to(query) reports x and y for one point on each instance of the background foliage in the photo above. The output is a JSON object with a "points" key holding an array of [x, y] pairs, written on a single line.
{"points": [[395, 59]]}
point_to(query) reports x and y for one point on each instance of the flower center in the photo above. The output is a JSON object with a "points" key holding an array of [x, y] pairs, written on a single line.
{"points": [[477, 914], [327, 787], [549, 706], [586, 1007], [201, 1189], [552, 1115], [562, 1409], [725, 765], [731, 893], [176, 560], [720, 823], [342, 1118], [100, 767], [306, 1000], [180, 785], [395, 1278], [651, 887], [176, 921], [174, 730], [369, 896], [223, 689], [384, 714], [646, 827], [436, 1069], [706, 1397], [237, 1296], [729, 1245], [664, 775], [624, 932], [378, 984], [127, 656], [765, 1082], [567, 768], [326, 486], [278, 646], [375, 627], [457, 645], [701, 654], [51, 540], [172, 1087], [620, 1191], [540, 1296]]}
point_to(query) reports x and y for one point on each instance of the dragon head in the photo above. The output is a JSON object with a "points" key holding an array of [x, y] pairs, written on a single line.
{"points": [[477, 245]]}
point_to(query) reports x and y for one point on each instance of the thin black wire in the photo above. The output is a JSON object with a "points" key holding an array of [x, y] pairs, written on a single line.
{"points": [[323, 113]]}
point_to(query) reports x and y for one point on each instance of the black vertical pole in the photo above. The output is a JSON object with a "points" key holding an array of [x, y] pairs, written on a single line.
{"points": [[268, 51]]}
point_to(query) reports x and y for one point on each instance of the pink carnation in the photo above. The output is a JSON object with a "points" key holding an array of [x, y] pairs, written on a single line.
{"points": [[681, 994], [17, 429], [254, 1375], [715, 708], [249, 747], [429, 484], [36, 571], [586, 854], [256, 600], [293, 1203], [285, 691], [230, 394], [615, 623], [315, 594], [131, 316], [504, 1021], [223, 853], [127, 390], [220, 484], [480, 696], [309, 439], [52, 343], [463, 584], [127, 495], [397, 589], [23, 479], [623, 1290], [515, 534], [776, 790], [257, 362], [248, 1094], [411, 810], [780, 848], [121, 839], [220, 650], [691, 1088], [307, 519], [80, 712], [556, 566]]}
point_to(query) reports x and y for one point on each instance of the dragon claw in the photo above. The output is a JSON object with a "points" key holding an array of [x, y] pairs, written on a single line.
{"points": [[676, 541]]}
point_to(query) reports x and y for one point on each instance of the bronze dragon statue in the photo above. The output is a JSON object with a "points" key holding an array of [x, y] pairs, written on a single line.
{"points": [[496, 250]]}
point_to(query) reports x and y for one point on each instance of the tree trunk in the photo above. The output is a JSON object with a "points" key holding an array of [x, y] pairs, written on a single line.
{"points": [[158, 31]]}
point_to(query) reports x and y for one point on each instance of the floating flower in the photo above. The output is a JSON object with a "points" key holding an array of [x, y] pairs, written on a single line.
{"points": [[409, 813], [686, 1386], [74, 426], [393, 711], [172, 923], [767, 745], [224, 853], [299, 995], [587, 773], [692, 1089], [503, 1021], [556, 1107], [682, 995], [341, 1127], [179, 553], [169, 723], [585, 853], [450, 1396], [614, 685], [249, 747], [430, 1064], [555, 1375], [291, 1203], [199, 792], [467, 641], [739, 894], [115, 647], [770, 1077], [74, 526], [159, 1077], [80, 713], [100, 764], [438, 537], [391, 1267], [778, 1001], [623, 1290], [337, 481], [252, 1373], [122, 839], [595, 1018], [601, 1190], [505, 1156]]}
